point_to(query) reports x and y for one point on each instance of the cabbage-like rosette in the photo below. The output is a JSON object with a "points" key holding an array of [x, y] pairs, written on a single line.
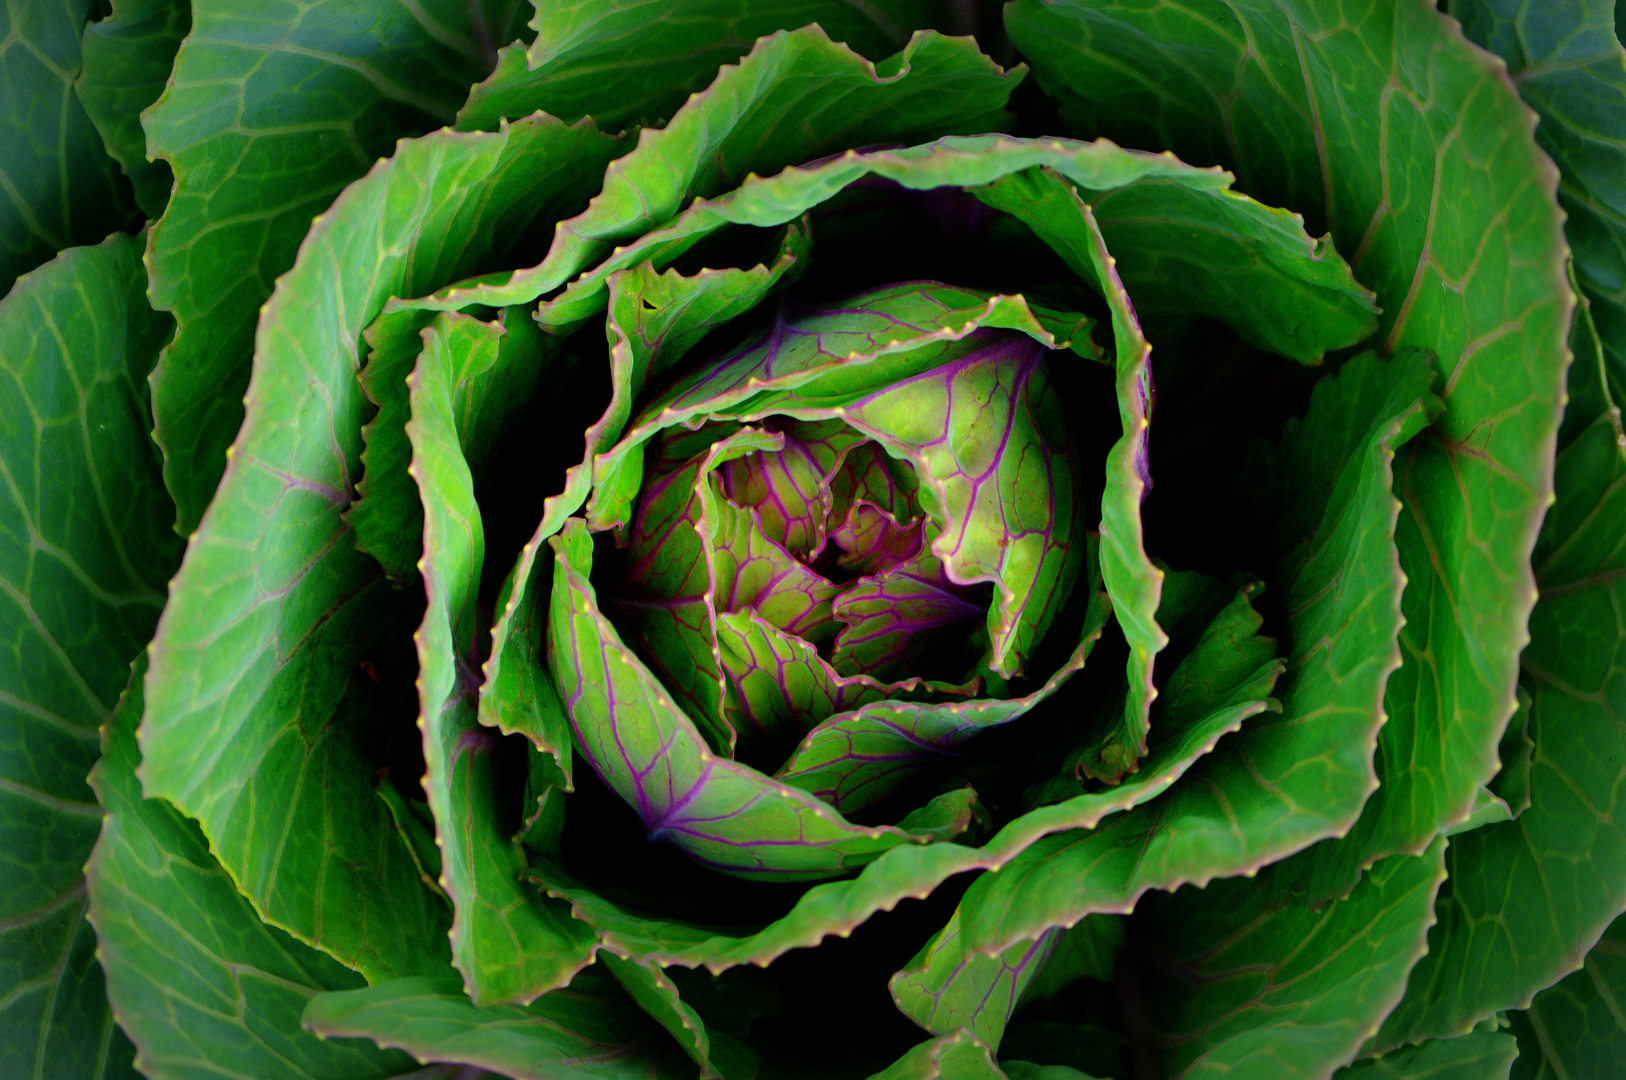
{"points": [[799, 484]]}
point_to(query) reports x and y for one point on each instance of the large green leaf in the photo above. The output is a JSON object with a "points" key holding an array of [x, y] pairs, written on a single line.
{"points": [[1239, 986], [510, 944], [256, 694], [1577, 1028], [127, 57], [960, 1056], [1226, 675], [593, 1030], [1380, 123], [634, 61], [1478, 1055], [1283, 780], [57, 185], [198, 982], [1569, 66], [270, 112], [84, 554], [797, 96], [1528, 897]]}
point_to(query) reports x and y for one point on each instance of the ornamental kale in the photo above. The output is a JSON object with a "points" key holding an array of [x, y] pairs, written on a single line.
{"points": [[1058, 540]]}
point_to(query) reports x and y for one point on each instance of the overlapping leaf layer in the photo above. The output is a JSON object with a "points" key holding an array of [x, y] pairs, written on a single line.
{"points": [[802, 539]]}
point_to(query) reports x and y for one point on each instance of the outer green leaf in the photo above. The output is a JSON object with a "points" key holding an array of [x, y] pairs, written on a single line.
{"points": [[84, 554], [946, 988], [960, 1056], [1445, 208], [57, 185], [589, 1031], [1237, 988], [1251, 266], [796, 97], [1226, 675], [1569, 66], [510, 945], [386, 513], [1263, 248], [202, 986], [274, 609], [634, 61], [271, 111], [1527, 898], [1134, 584], [1478, 1055], [1578, 1028], [127, 58], [720, 813]]}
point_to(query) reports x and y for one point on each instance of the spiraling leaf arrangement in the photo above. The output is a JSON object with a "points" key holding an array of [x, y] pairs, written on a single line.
{"points": [[1069, 540]]}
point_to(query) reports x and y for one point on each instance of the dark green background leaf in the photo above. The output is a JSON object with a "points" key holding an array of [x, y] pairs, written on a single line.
{"points": [[58, 187], [1569, 66], [633, 61], [85, 551], [202, 986], [127, 59], [1577, 1029]]}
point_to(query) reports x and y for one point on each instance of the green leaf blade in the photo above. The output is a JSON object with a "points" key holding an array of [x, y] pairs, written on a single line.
{"points": [[357, 75], [58, 187], [274, 604], [1282, 93], [84, 555], [127, 60], [510, 945], [202, 986], [592, 1032]]}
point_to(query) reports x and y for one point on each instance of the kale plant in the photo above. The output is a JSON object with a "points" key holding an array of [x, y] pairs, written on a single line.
{"points": [[803, 538]]}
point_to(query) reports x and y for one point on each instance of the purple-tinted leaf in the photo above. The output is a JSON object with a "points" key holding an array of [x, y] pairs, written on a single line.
{"points": [[988, 440], [721, 813], [653, 320], [869, 474], [857, 759], [779, 686], [873, 542], [750, 571], [790, 488], [664, 596], [904, 619]]}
